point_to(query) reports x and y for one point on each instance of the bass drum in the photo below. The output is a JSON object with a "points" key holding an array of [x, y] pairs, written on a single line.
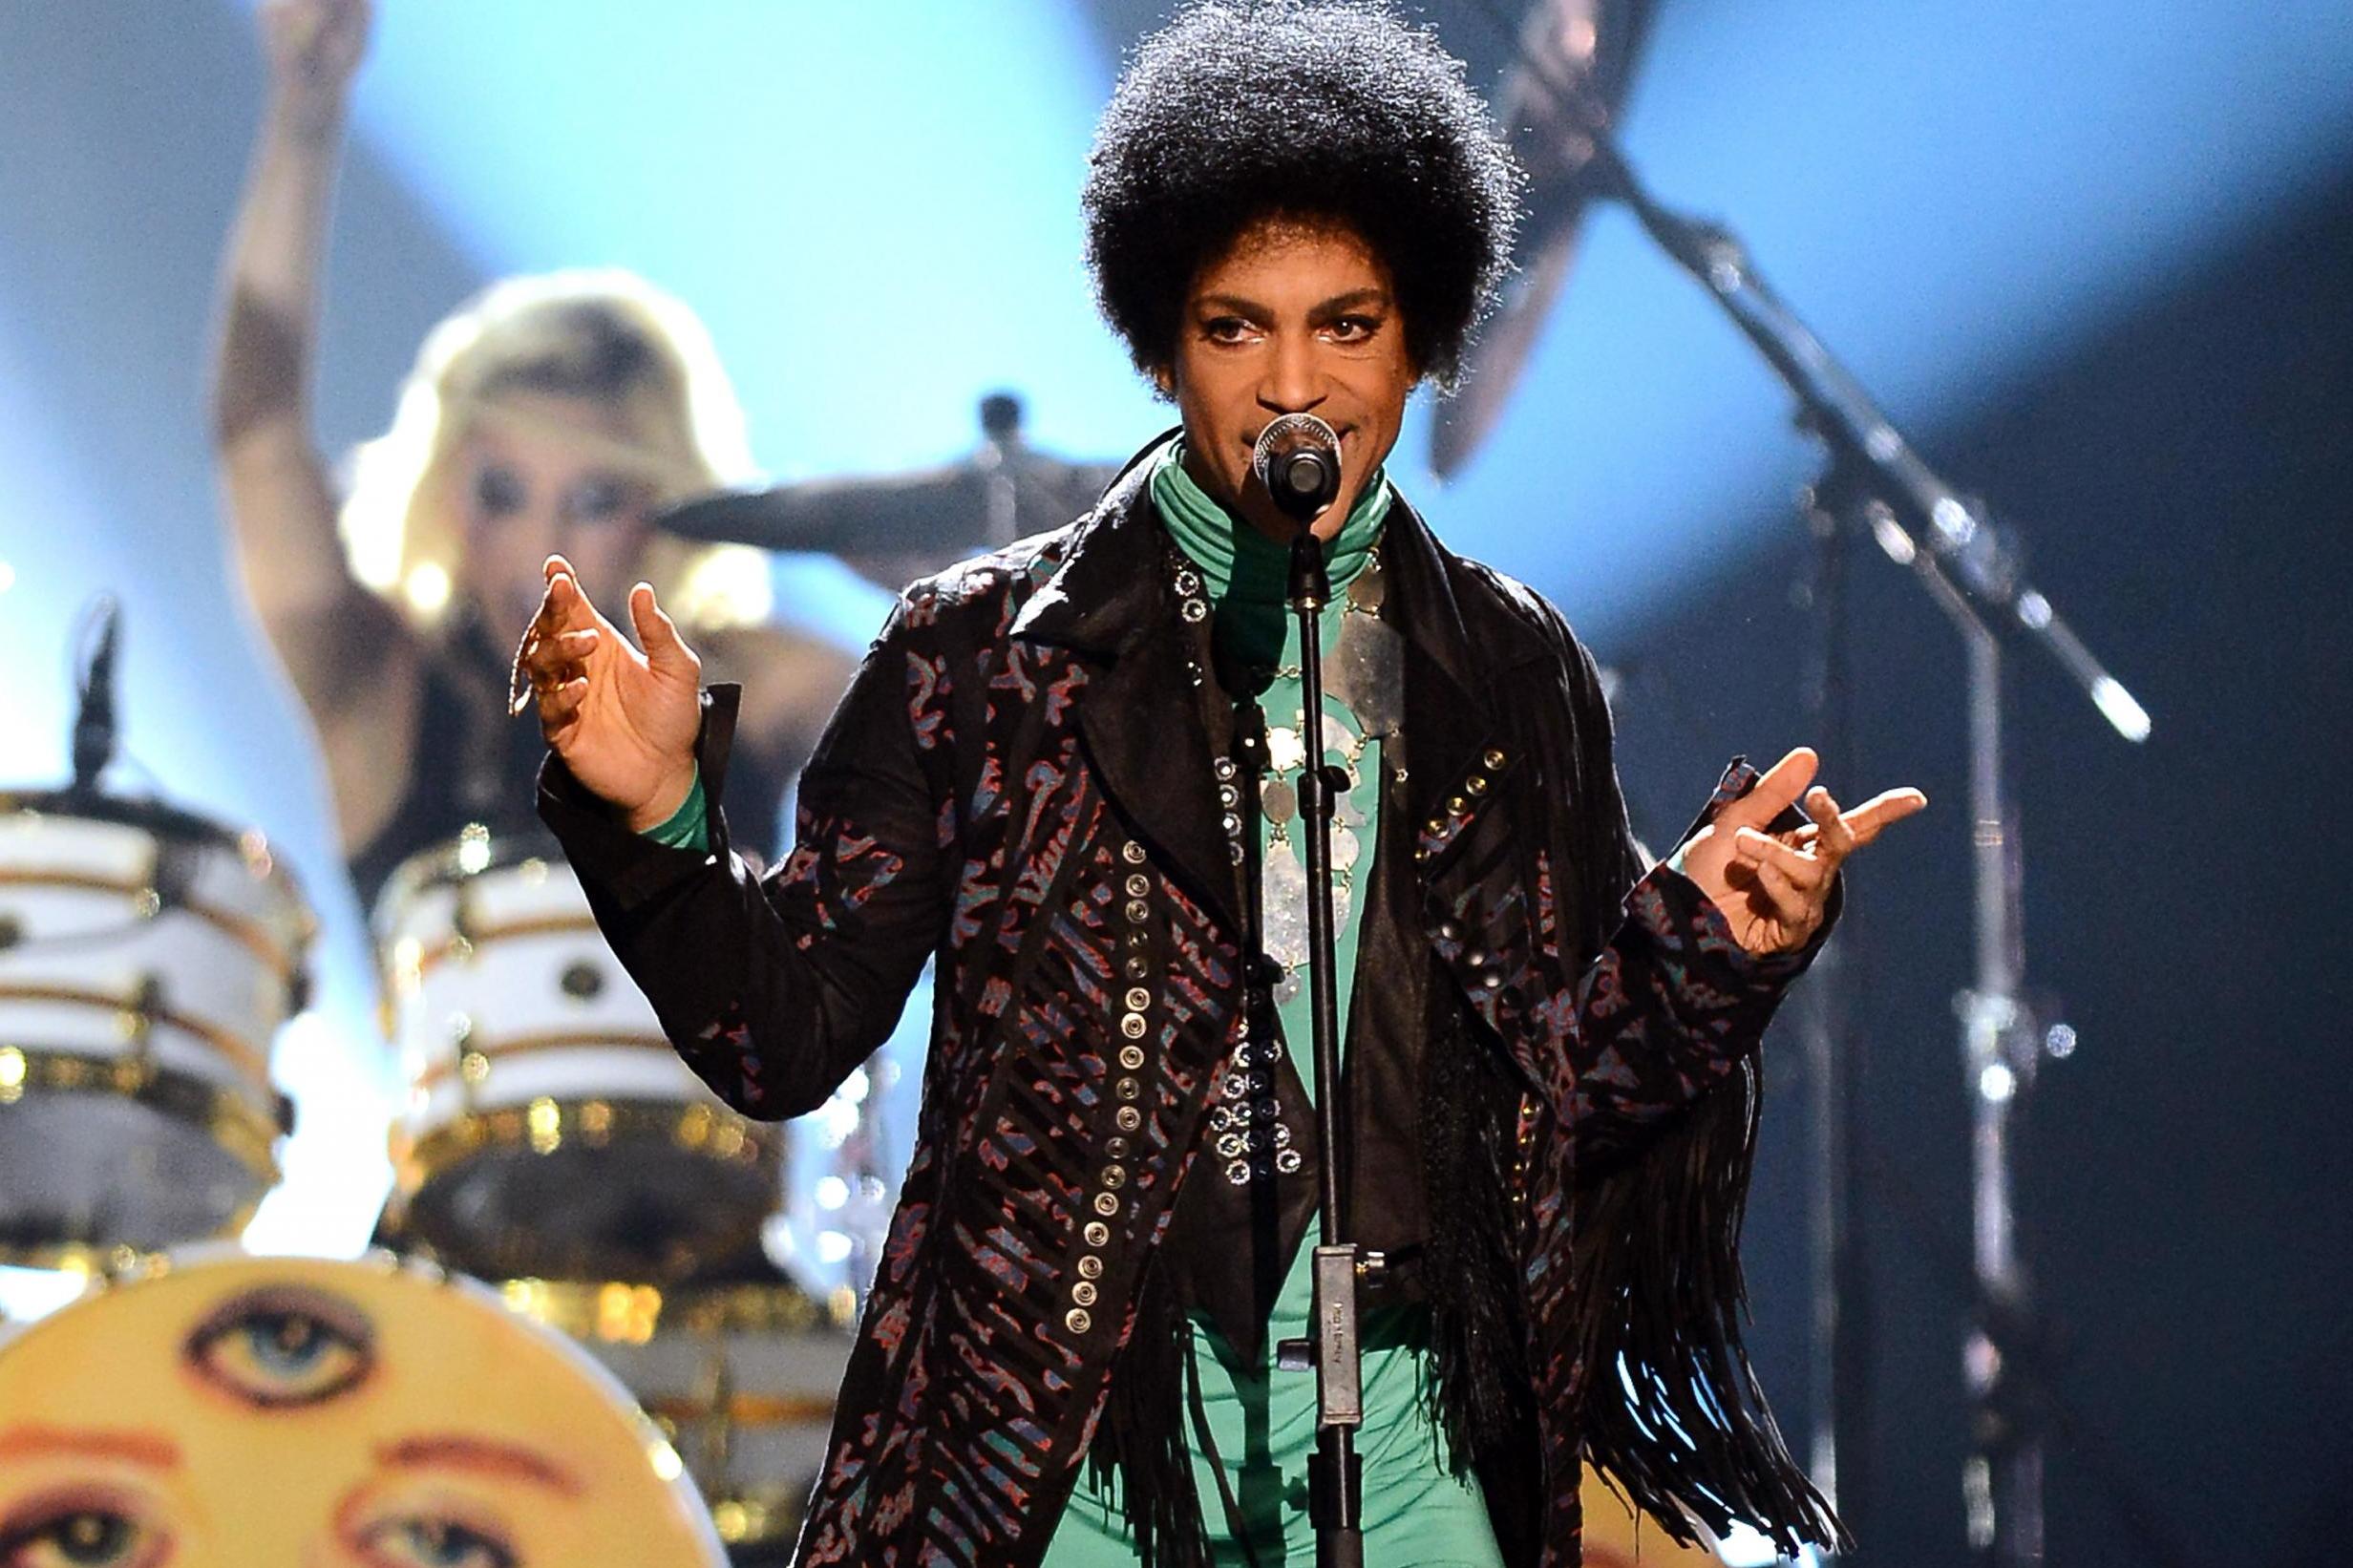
{"points": [[147, 957], [738, 1368], [238, 1410], [1616, 1535], [550, 1131]]}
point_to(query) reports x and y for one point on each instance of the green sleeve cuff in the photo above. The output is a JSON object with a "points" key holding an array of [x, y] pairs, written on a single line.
{"points": [[688, 827]]}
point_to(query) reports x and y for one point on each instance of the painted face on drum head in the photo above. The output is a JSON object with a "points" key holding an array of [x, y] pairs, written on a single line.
{"points": [[343, 1414], [280, 1346]]}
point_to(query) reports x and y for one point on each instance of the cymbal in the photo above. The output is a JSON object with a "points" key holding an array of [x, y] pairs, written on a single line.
{"points": [[1574, 63], [894, 527]]}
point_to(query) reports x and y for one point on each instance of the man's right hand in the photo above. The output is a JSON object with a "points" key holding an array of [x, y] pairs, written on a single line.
{"points": [[625, 722]]}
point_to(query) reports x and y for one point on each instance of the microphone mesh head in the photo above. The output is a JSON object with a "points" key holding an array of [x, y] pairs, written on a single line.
{"points": [[1288, 433]]}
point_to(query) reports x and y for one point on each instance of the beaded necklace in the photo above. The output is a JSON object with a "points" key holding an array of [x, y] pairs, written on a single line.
{"points": [[1363, 679]]}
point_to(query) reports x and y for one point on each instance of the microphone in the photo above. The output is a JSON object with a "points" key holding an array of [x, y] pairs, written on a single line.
{"points": [[94, 719], [1296, 458]]}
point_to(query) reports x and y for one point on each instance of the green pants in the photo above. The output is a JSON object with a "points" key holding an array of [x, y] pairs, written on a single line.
{"points": [[1264, 1423]]}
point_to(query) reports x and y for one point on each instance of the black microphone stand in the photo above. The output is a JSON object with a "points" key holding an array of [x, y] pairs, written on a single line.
{"points": [[1335, 1475]]}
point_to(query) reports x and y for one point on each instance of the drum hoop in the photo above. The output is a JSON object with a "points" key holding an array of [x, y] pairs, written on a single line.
{"points": [[245, 1132], [228, 1118], [247, 933], [436, 1073], [757, 1519], [582, 1307], [545, 1126], [465, 945], [441, 866], [253, 1064]]}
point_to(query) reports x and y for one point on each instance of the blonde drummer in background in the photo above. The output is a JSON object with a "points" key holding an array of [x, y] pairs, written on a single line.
{"points": [[551, 415], [327, 1414]]}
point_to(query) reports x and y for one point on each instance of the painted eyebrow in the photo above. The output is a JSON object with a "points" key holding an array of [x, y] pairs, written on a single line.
{"points": [[1338, 302], [31, 1442], [478, 1453]]}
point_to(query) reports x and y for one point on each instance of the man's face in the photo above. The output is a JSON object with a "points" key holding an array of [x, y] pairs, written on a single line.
{"points": [[1294, 318]]}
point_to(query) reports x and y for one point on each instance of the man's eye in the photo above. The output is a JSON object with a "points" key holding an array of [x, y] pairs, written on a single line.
{"points": [[282, 1347], [433, 1543], [499, 492], [1225, 330], [1355, 329], [78, 1535]]}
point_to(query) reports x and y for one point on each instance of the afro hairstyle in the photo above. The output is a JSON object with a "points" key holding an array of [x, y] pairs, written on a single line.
{"points": [[1320, 110]]}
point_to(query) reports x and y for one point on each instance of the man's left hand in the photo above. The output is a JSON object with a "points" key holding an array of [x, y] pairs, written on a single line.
{"points": [[1773, 886]]}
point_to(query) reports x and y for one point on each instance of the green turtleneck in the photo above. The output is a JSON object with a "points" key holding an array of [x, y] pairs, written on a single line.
{"points": [[1247, 574]]}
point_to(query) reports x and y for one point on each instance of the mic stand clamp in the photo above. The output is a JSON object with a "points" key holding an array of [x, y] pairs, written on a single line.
{"points": [[1335, 1475]]}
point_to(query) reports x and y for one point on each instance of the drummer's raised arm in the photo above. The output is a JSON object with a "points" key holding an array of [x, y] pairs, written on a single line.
{"points": [[280, 510]]}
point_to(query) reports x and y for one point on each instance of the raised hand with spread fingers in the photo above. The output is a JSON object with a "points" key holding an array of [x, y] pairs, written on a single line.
{"points": [[623, 721], [1774, 886]]}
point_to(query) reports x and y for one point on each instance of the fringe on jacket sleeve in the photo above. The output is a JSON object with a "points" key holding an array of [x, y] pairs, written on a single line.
{"points": [[1674, 1418]]}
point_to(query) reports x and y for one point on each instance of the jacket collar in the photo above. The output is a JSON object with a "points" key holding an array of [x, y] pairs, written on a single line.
{"points": [[1455, 614], [1111, 603], [1109, 592]]}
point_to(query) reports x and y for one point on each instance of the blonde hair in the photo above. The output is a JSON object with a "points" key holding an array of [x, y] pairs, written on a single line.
{"points": [[602, 333]]}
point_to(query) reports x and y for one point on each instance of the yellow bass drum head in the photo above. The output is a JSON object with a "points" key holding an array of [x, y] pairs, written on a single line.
{"points": [[244, 1410]]}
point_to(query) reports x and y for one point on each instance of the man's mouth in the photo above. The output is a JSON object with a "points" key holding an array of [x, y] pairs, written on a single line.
{"points": [[1251, 441]]}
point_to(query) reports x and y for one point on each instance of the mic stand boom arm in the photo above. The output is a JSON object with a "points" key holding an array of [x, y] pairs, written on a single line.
{"points": [[1973, 570], [1924, 522]]}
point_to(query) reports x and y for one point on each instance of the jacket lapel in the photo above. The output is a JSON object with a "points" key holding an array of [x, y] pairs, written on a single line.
{"points": [[1468, 783], [1140, 714]]}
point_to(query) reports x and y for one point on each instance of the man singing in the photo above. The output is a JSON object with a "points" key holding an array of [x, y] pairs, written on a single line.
{"points": [[1070, 772]]}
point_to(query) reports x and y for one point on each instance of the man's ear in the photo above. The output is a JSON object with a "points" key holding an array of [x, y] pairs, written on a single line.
{"points": [[1164, 377]]}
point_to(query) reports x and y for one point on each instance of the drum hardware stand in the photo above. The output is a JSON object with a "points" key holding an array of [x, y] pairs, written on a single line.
{"points": [[1973, 569], [1838, 1372], [94, 737], [138, 1022]]}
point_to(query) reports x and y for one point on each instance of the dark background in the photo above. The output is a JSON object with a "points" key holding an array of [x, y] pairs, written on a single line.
{"points": [[2185, 1174]]}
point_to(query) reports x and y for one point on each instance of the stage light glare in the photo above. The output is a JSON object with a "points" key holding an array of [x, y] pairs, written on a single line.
{"points": [[1742, 1547], [1894, 540], [1997, 1083], [2129, 716], [428, 589]]}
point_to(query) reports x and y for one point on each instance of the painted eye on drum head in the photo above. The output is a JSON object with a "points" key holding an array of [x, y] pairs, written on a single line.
{"points": [[282, 1347], [433, 1543], [78, 1533]]}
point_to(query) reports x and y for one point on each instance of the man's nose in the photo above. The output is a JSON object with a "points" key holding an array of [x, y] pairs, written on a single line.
{"points": [[1294, 382]]}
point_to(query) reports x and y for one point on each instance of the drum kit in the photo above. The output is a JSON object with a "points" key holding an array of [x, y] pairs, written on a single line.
{"points": [[553, 1146], [554, 1157]]}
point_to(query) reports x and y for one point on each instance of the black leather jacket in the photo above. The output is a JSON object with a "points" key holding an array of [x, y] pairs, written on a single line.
{"points": [[1020, 783]]}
